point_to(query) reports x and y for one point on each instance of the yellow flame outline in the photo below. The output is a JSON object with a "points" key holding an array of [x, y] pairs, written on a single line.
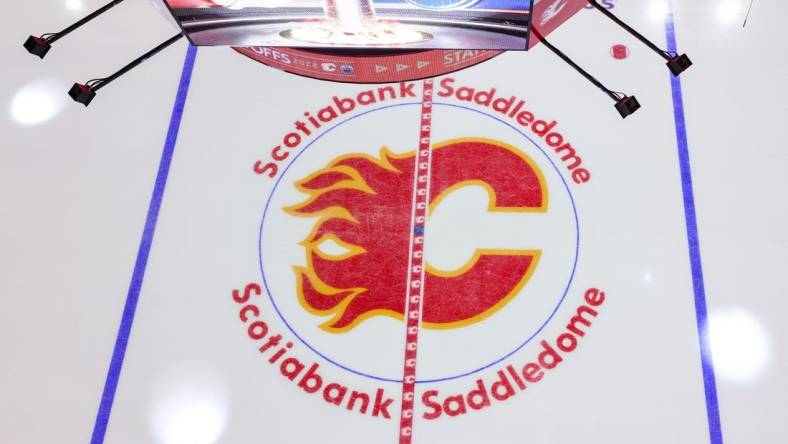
{"points": [[357, 182]]}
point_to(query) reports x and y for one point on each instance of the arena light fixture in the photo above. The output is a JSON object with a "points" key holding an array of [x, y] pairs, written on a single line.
{"points": [[84, 93], [352, 41], [40, 46], [625, 105], [677, 63]]}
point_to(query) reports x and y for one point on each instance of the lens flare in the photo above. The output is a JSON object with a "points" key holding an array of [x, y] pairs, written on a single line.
{"points": [[189, 408], [38, 101], [739, 345]]}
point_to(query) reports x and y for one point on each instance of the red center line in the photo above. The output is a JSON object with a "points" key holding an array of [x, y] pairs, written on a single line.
{"points": [[415, 288]]}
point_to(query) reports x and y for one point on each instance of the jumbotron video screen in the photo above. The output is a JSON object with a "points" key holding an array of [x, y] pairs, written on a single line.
{"points": [[407, 24]]}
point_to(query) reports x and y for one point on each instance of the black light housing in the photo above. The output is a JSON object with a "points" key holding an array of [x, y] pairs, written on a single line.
{"points": [[627, 106], [82, 94], [679, 64], [676, 63], [37, 46]]}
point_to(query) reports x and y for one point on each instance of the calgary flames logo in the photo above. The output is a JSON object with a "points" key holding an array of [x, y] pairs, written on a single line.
{"points": [[364, 204]]}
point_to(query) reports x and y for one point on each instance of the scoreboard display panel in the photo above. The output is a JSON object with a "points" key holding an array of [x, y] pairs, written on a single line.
{"points": [[408, 24]]}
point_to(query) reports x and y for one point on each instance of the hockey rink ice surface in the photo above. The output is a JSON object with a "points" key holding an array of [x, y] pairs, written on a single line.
{"points": [[219, 252]]}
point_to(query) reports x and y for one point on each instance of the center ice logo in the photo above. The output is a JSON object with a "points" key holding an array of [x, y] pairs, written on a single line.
{"points": [[362, 205]]}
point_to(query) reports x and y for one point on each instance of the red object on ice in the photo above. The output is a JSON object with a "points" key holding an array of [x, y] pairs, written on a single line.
{"points": [[619, 52]]}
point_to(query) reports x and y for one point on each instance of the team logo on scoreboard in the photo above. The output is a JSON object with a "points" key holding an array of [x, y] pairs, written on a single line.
{"points": [[551, 11]]}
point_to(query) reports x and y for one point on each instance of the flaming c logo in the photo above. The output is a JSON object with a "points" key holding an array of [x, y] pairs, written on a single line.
{"points": [[364, 204]]}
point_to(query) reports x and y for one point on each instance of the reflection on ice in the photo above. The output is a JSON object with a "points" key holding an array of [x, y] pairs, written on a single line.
{"points": [[189, 408], [74, 5], [730, 11], [38, 101], [658, 10], [739, 345]]}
